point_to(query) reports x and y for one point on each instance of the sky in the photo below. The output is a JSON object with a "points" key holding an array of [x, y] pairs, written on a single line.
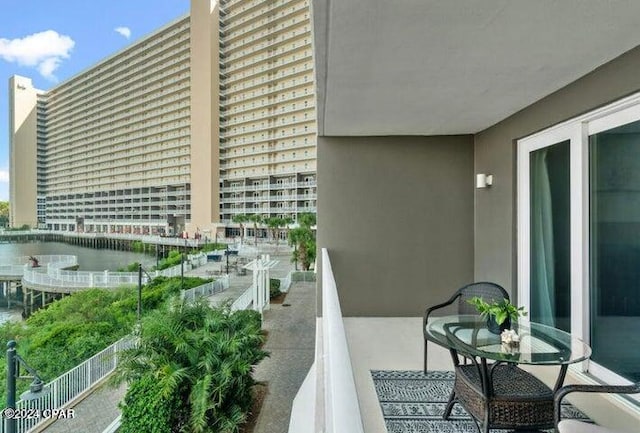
{"points": [[50, 41]]}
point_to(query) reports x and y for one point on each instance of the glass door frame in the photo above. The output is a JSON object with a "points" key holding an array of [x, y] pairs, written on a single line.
{"points": [[577, 132]]}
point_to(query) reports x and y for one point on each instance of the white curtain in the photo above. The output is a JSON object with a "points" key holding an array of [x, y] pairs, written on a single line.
{"points": [[542, 261]]}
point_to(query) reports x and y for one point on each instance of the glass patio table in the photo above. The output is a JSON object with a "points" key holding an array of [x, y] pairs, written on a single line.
{"points": [[498, 394]]}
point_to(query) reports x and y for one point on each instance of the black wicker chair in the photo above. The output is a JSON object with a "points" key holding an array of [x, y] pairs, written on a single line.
{"points": [[572, 426], [487, 291]]}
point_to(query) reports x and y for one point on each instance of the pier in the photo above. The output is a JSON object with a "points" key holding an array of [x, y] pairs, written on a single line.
{"points": [[112, 241], [36, 281]]}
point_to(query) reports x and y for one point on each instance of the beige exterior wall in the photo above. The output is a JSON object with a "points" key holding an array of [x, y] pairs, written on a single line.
{"points": [[268, 144], [396, 214], [205, 118], [495, 152], [23, 127]]}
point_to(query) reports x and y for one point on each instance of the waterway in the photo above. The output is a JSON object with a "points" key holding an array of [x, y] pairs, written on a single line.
{"points": [[89, 259]]}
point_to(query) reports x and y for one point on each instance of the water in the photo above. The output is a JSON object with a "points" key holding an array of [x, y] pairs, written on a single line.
{"points": [[89, 259]]}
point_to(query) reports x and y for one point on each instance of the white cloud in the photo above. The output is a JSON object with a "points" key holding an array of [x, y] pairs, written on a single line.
{"points": [[124, 31], [4, 184], [44, 51]]}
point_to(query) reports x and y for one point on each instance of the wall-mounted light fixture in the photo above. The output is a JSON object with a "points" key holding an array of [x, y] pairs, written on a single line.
{"points": [[484, 180]]}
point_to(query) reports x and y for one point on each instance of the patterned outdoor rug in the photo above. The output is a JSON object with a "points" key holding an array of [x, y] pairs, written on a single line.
{"points": [[413, 402]]}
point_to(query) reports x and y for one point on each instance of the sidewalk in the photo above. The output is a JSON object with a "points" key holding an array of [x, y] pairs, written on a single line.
{"points": [[291, 344]]}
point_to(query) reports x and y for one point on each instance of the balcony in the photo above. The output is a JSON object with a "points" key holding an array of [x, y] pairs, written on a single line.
{"points": [[339, 391]]}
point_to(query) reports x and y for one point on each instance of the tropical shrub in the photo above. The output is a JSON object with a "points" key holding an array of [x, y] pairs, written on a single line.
{"points": [[69, 331], [201, 359], [274, 287]]}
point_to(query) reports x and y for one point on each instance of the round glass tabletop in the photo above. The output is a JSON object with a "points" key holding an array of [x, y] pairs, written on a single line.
{"points": [[539, 344]]}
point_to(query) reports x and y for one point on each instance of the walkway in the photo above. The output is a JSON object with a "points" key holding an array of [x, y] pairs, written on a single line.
{"points": [[291, 343], [93, 414]]}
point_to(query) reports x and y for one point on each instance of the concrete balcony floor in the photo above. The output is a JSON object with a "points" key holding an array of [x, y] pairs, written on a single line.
{"points": [[396, 344]]}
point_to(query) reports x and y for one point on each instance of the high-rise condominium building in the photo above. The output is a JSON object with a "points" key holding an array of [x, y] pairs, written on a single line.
{"points": [[209, 117], [268, 127]]}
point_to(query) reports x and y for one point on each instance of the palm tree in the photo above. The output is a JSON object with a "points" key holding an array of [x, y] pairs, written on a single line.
{"points": [[256, 219], [240, 219], [304, 241], [197, 362], [275, 223]]}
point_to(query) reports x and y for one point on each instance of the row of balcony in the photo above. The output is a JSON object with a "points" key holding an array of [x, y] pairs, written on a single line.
{"points": [[272, 56], [269, 186], [238, 29], [235, 55], [272, 75], [103, 72], [251, 210], [94, 120], [266, 68], [170, 136], [99, 158], [270, 198], [155, 112], [102, 184], [311, 131], [142, 73]]}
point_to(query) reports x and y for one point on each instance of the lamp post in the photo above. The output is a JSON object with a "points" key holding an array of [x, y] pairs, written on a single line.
{"points": [[226, 253], [140, 271], [36, 389], [139, 291], [182, 265]]}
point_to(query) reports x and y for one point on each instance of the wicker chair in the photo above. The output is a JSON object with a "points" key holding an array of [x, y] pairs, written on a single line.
{"points": [[573, 426], [487, 291]]}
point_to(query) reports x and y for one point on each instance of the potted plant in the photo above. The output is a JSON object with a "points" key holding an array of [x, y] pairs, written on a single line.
{"points": [[499, 314]]}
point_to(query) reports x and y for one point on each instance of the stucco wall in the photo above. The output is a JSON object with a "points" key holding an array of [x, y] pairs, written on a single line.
{"points": [[396, 214], [495, 152]]}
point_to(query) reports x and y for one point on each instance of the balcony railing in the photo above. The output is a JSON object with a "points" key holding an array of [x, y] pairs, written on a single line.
{"points": [[334, 406]]}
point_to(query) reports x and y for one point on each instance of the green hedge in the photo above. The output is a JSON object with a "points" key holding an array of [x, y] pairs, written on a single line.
{"points": [[69, 331]]}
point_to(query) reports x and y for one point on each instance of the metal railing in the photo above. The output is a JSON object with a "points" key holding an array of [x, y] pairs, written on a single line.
{"points": [[207, 289], [71, 385], [54, 276], [285, 283], [244, 301]]}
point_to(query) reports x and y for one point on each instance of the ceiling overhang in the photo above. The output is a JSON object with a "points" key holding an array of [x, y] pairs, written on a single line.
{"points": [[434, 67]]}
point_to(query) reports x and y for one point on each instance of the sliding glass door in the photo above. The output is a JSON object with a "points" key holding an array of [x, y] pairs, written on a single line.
{"points": [[579, 233], [614, 240]]}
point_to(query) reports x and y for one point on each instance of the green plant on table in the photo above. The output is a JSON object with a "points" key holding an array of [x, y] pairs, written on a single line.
{"points": [[499, 310]]}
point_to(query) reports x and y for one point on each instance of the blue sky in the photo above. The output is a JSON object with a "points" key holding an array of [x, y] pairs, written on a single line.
{"points": [[50, 41]]}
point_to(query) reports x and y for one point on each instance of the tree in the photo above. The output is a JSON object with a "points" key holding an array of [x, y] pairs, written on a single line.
{"points": [[197, 362], [240, 219], [256, 219], [304, 241], [275, 223], [4, 213]]}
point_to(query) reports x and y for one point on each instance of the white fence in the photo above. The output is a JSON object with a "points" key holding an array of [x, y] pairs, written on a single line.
{"points": [[71, 385], [53, 275], [244, 301], [207, 289]]}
